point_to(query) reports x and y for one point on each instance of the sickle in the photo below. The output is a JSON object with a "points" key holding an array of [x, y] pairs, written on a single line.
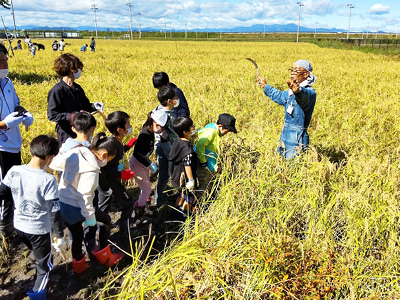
{"points": [[255, 65]]}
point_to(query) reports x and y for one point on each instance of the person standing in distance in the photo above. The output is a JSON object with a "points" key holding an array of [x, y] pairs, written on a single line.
{"points": [[92, 44], [10, 135], [299, 102]]}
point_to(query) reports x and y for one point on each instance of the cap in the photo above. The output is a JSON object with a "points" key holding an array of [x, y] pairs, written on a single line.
{"points": [[160, 117], [228, 121]]}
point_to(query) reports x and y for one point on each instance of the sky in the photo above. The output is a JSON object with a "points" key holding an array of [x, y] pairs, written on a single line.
{"points": [[369, 15]]}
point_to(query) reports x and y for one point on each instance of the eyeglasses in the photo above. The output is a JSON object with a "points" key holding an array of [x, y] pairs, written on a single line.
{"points": [[297, 71]]}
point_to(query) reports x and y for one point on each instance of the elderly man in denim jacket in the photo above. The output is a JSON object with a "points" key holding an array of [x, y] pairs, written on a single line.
{"points": [[299, 102]]}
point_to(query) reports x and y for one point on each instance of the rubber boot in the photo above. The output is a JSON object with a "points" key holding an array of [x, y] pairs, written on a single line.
{"points": [[42, 295], [79, 266], [106, 257]]}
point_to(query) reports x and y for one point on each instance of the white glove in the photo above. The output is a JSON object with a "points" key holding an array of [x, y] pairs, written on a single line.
{"points": [[99, 106], [59, 244], [12, 121], [27, 119], [190, 185]]}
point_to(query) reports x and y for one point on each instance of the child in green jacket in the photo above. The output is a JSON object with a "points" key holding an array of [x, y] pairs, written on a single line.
{"points": [[207, 147]]}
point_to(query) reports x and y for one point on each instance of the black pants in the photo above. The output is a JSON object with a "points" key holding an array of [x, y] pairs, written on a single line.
{"points": [[57, 225], [119, 195], [7, 160], [88, 235], [41, 247]]}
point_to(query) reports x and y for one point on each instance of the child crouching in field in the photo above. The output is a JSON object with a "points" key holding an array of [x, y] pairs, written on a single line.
{"points": [[79, 180], [184, 163], [144, 147], [34, 191], [207, 148]]}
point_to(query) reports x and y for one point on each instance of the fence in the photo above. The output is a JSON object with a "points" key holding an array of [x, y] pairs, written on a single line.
{"points": [[374, 43]]}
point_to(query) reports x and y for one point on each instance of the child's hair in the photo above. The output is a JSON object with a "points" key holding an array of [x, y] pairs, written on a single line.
{"points": [[166, 93], [102, 142], [44, 145], [83, 121], [149, 121], [3, 49], [66, 63], [115, 120], [182, 124], [160, 79]]}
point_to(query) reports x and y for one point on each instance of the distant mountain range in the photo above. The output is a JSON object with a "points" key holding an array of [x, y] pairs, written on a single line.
{"points": [[291, 27]]}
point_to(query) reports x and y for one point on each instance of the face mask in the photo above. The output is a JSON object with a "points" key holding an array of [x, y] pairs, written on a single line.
{"points": [[3, 73], [103, 162], [177, 103], [45, 167], [193, 132], [78, 74], [130, 130]]}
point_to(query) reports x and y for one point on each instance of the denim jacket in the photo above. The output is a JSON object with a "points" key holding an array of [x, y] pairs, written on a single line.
{"points": [[298, 111]]}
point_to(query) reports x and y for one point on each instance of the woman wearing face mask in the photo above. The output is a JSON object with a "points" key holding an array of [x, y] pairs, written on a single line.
{"points": [[80, 177], [140, 161], [67, 97], [10, 136]]}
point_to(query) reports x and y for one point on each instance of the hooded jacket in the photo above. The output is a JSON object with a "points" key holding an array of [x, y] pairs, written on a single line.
{"points": [[207, 147], [181, 149], [79, 179]]}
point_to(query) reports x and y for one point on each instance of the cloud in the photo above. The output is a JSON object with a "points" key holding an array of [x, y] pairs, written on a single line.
{"points": [[378, 9]]}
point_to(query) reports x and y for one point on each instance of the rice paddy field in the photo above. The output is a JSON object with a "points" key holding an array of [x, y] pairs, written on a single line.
{"points": [[324, 226]]}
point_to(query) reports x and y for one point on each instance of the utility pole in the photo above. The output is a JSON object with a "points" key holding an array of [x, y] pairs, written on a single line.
{"points": [[94, 7], [298, 23], [207, 32], [165, 26], [140, 29], [186, 30], [130, 14], [15, 28], [348, 29]]}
